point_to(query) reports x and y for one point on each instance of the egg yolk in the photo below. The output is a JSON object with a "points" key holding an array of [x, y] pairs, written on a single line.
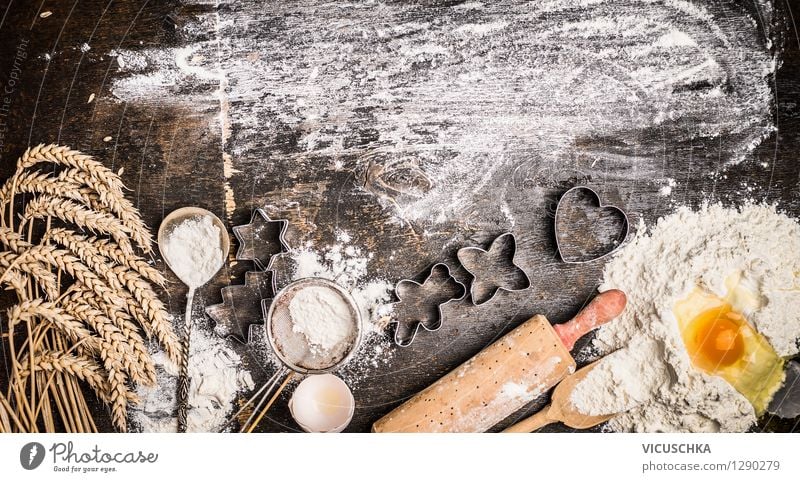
{"points": [[714, 338]]}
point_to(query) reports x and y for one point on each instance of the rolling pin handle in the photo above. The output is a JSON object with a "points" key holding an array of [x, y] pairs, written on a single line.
{"points": [[603, 308]]}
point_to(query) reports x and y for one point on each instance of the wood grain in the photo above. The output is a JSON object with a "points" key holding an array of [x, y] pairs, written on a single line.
{"points": [[365, 159]]}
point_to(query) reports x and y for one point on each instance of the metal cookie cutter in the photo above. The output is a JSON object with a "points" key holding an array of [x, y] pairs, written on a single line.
{"points": [[420, 304], [261, 240], [241, 305], [493, 270], [578, 239]]}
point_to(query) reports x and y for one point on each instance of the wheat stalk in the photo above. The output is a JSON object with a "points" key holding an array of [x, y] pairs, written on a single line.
{"points": [[107, 347], [154, 312], [125, 324], [84, 368], [123, 349], [98, 289], [140, 299], [112, 251], [106, 248], [100, 198], [13, 263], [36, 182], [49, 311], [64, 261], [13, 240]]}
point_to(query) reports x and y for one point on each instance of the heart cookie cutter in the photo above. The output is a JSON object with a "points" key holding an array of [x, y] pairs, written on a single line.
{"points": [[559, 220], [406, 287], [494, 269]]}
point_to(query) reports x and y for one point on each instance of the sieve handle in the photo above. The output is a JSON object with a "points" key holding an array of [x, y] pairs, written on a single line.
{"points": [[267, 394]]}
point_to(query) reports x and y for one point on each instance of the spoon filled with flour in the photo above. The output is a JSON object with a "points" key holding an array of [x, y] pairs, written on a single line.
{"points": [[194, 244]]}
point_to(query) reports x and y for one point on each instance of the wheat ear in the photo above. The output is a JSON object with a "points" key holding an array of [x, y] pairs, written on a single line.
{"points": [[78, 243], [14, 263], [111, 250], [65, 156], [131, 286], [107, 351], [36, 182], [101, 198], [123, 347], [13, 240], [82, 367], [124, 323], [154, 312], [69, 211], [61, 259]]}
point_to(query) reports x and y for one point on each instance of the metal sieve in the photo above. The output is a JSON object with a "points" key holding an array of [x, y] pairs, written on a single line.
{"points": [[293, 349]]}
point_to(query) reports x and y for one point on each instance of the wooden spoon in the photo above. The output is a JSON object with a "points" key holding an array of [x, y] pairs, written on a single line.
{"points": [[561, 408]]}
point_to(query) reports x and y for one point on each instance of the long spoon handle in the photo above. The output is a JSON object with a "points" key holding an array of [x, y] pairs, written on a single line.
{"points": [[534, 422], [183, 375]]}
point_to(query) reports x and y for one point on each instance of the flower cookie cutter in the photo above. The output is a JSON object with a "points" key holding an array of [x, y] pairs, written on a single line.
{"points": [[494, 269]]}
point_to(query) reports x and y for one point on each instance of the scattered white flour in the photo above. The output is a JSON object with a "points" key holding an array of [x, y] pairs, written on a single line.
{"points": [[666, 190], [216, 376], [458, 103], [684, 250], [346, 264], [193, 251], [321, 315]]}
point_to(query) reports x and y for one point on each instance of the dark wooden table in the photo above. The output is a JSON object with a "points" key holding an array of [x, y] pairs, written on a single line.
{"points": [[302, 135]]}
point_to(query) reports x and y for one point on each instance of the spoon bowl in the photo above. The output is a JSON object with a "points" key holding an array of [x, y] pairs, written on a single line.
{"points": [[176, 217]]}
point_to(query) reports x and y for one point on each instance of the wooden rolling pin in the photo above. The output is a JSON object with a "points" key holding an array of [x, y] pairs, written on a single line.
{"points": [[503, 377], [561, 408]]}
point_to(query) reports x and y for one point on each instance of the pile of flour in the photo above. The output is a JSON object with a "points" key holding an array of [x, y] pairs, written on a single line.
{"points": [[651, 376], [345, 263], [321, 315], [217, 377], [193, 251]]}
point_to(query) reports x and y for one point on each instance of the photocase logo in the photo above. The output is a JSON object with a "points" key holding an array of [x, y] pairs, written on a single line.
{"points": [[31, 455]]}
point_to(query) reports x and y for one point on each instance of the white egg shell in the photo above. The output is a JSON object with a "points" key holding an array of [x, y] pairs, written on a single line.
{"points": [[322, 403]]}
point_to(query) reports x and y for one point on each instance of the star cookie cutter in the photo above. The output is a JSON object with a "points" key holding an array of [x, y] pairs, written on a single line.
{"points": [[494, 269], [258, 241], [581, 214], [420, 304]]}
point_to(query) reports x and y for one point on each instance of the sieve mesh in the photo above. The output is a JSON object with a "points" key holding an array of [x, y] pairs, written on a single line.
{"points": [[293, 348]]}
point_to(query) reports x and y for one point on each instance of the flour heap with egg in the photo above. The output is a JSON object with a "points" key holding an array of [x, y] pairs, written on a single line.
{"points": [[714, 306]]}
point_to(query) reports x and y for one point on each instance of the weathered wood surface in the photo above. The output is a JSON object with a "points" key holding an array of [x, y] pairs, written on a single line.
{"points": [[317, 120]]}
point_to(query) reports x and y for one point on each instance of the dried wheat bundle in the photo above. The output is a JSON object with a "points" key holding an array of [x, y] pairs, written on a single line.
{"points": [[85, 299]]}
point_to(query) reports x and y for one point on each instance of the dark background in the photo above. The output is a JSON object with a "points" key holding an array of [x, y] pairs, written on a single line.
{"points": [[171, 158]]}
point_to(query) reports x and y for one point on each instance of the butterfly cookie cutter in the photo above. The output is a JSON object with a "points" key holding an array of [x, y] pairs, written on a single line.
{"points": [[494, 269]]}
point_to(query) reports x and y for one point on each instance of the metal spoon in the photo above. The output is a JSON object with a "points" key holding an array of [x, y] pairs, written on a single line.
{"points": [[167, 226]]}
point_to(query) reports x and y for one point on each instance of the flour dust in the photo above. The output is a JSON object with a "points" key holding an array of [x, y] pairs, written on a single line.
{"points": [[433, 106]]}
